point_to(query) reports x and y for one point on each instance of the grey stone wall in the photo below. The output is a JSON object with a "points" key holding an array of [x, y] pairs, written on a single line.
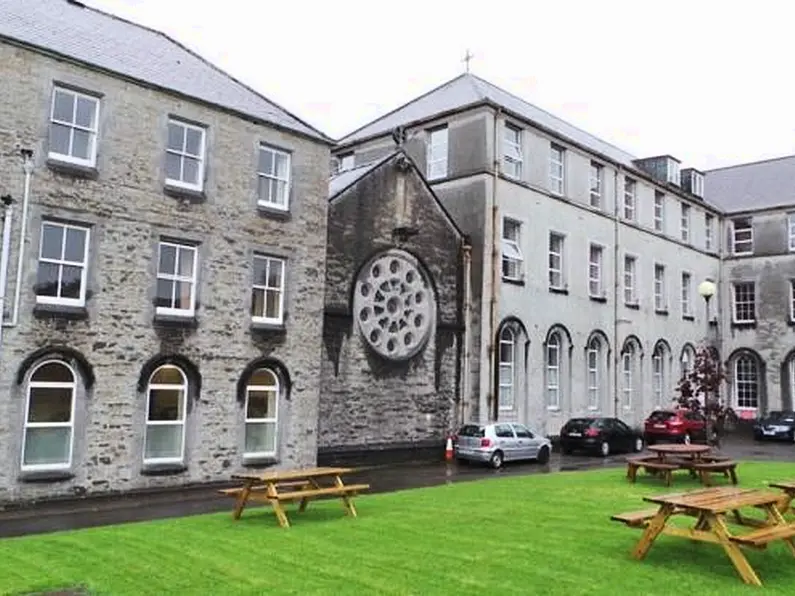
{"points": [[367, 401], [127, 210]]}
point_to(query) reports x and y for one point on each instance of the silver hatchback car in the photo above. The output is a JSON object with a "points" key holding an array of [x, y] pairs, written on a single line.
{"points": [[499, 442]]}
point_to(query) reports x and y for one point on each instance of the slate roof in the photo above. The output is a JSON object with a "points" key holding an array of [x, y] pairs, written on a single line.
{"points": [[103, 40], [343, 180], [765, 184], [468, 89]]}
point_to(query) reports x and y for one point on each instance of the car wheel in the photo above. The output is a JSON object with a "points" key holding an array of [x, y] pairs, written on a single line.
{"points": [[543, 455], [687, 440], [638, 445], [496, 460], [604, 448]]}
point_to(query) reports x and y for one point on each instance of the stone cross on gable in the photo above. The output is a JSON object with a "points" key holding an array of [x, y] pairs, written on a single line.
{"points": [[467, 59]]}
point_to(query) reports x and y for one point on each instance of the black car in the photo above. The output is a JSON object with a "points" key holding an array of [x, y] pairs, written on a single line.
{"points": [[776, 425], [599, 435]]}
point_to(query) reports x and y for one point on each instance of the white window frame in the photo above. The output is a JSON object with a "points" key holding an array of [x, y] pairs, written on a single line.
{"points": [[275, 388], [659, 211], [660, 290], [92, 132], [507, 338], [553, 371], [270, 260], [687, 294], [672, 172], [791, 231], [560, 255], [347, 162], [658, 376], [274, 175], [182, 422], [178, 279], [437, 152], [595, 269], [708, 223], [557, 169], [736, 287], [182, 154], [593, 361], [750, 384], [627, 369], [749, 240], [513, 156], [696, 184], [512, 257], [631, 273], [596, 184], [685, 221], [71, 424], [61, 263], [792, 304], [630, 188]]}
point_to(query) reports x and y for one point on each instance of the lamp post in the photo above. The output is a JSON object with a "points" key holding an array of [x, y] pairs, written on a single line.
{"points": [[706, 290]]}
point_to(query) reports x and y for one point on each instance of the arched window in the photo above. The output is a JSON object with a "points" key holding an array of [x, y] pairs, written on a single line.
{"points": [[688, 359], [630, 372], [49, 417], [507, 398], [553, 371], [658, 374], [262, 406], [594, 358], [746, 382], [166, 407]]}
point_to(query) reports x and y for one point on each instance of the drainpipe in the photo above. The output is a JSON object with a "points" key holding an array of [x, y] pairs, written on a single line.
{"points": [[465, 385], [7, 218], [617, 275], [27, 166], [494, 414]]}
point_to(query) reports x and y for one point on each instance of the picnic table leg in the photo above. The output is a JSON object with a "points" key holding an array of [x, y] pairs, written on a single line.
{"points": [[774, 516], [651, 532], [240, 502], [733, 551], [346, 499], [305, 501]]}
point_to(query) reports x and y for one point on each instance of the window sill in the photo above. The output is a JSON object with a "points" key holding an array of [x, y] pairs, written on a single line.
{"points": [[60, 311], [562, 291], [663, 312], [163, 469], [273, 212], [72, 169], [688, 318], [513, 281], [632, 305], [45, 475], [601, 299], [266, 328], [175, 321], [743, 324], [189, 194], [553, 409], [264, 461]]}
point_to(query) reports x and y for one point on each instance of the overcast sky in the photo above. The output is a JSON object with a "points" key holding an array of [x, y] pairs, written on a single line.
{"points": [[711, 84]]}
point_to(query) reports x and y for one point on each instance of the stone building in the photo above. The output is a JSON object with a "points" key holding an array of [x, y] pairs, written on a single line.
{"points": [[757, 323], [160, 318], [394, 328], [585, 259]]}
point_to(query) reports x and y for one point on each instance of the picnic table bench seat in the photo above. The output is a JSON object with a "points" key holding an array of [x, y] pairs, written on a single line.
{"points": [[650, 464], [635, 519], [728, 467], [234, 492], [763, 536], [351, 489]]}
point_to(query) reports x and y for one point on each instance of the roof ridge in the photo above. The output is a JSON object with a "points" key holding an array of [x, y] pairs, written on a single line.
{"points": [[205, 61], [751, 163], [548, 113]]}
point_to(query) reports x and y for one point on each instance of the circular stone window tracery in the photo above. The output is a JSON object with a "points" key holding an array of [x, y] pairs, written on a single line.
{"points": [[394, 305]]}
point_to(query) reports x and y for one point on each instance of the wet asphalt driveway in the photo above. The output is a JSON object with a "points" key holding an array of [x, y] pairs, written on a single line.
{"points": [[97, 511]]}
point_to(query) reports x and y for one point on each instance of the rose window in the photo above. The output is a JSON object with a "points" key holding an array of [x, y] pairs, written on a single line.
{"points": [[394, 305]]}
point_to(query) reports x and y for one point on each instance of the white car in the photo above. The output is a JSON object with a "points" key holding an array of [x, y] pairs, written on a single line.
{"points": [[499, 442]]}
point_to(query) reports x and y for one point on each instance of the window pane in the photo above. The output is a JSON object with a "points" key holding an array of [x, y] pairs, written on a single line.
{"points": [[163, 441], [190, 172], [257, 303], [282, 166], [173, 163], [75, 245], [506, 376], [183, 297], [278, 192], [272, 304], [194, 142], [165, 290], [47, 280], [52, 372], [263, 189], [50, 404], [176, 136], [261, 404], [260, 271], [71, 281], [86, 111], [47, 446], [168, 259], [165, 404], [265, 161], [260, 437], [263, 377], [275, 274], [51, 241], [506, 352], [63, 108], [81, 143], [186, 257], [59, 138], [167, 375]]}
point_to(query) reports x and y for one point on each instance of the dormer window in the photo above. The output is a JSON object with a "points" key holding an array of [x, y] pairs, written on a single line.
{"points": [[697, 184], [673, 171]]}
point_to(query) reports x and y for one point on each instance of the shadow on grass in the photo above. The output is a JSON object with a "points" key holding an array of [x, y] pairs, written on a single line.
{"points": [[315, 513]]}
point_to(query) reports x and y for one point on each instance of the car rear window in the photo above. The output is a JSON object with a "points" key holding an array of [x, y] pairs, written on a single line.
{"points": [[660, 416], [471, 430], [580, 424]]}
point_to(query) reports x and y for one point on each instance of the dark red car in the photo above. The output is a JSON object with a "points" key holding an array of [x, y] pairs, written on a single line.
{"points": [[675, 426]]}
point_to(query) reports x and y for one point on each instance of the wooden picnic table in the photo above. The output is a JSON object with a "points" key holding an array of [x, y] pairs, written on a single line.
{"points": [[278, 487], [669, 457], [788, 486], [679, 450], [710, 506]]}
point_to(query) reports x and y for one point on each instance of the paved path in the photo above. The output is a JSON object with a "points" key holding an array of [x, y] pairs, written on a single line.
{"points": [[67, 515]]}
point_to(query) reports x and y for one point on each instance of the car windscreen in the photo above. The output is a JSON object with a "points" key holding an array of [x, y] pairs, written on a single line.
{"points": [[778, 416], [660, 416], [471, 430]]}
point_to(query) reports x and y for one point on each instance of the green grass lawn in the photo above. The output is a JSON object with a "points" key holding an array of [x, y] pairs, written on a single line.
{"points": [[539, 534]]}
